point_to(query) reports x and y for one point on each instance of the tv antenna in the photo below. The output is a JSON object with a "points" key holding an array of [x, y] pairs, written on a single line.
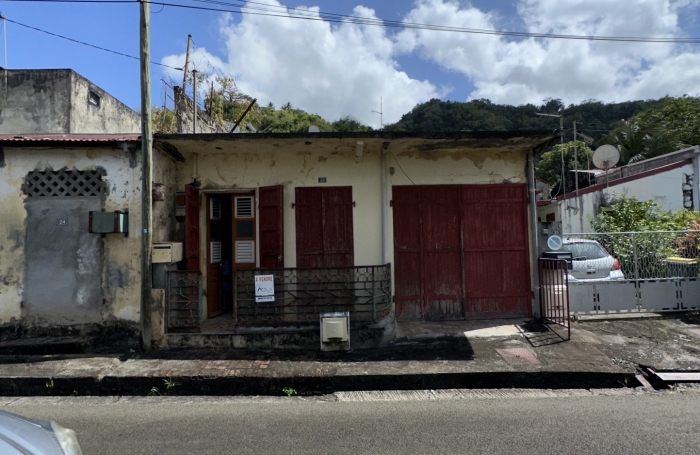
{"points": [[380, 112], [605, 157]]}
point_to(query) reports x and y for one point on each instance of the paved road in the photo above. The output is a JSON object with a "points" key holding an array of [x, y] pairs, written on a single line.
{"points": [[488, 423]]}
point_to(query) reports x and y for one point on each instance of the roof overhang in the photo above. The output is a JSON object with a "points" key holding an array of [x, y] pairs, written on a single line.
{"points": [[396, 142]]}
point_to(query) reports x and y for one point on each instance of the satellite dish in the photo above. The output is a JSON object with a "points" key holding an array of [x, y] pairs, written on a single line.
{"points": [[314, 129], [606, 156]]}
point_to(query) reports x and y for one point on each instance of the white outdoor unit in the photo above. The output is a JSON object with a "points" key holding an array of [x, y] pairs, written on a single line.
{"points": [[335, 331]]}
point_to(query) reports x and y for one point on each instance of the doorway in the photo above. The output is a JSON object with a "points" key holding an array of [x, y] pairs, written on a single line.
{"points": [[231, 245]]}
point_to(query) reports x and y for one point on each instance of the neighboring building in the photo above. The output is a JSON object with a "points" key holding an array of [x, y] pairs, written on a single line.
{"points": [[55, 274], [386, 226], [668, 180], [60, 101]]}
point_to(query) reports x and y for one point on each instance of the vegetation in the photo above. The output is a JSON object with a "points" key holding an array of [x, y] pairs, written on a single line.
{"points": [[483, 115], [653, 248], [227, 104], [663, 129], [549, 167]]}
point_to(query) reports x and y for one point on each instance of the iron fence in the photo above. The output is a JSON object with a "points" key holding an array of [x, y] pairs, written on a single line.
{"points": [[650, 255], [182, 299], [302, 294], [554, 293]]}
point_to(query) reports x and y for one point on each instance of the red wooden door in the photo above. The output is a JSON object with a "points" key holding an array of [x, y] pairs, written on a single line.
{"points": [[324, 229], [408, 252], [461, 251], [271, 227], [496, 251], [192, 227], [338, 243], [442, 255]]}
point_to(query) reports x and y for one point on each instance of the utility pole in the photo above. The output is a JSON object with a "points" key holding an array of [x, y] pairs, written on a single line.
{"points": [[4, 50], [187, 63], [146, 176], [576, 161], [194, 97]]}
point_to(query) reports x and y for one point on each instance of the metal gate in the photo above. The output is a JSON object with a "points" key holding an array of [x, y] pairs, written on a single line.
{"points": [[660, 273], [554, 293]]}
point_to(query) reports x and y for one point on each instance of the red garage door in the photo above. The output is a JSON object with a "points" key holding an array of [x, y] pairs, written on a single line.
{"points": [[461, 252]]}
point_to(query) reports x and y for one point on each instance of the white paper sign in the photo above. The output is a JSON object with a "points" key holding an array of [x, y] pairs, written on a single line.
{"points": [[264, 288]]}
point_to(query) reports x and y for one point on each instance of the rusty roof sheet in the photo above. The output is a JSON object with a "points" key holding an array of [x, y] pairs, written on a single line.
{"points": [[60, 137]]}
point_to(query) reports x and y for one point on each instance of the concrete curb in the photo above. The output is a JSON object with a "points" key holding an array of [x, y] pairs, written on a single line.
{"points": [[307, 385]]}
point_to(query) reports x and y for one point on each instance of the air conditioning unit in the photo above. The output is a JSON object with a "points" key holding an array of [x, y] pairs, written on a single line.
{"points": [[335, 331]]}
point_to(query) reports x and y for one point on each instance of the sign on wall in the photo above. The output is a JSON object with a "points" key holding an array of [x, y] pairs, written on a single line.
{"points": [[264, 288]]}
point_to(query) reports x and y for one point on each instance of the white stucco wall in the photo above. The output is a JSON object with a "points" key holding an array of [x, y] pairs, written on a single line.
{"points": [[248, 165], [121, 268], [664, 189]]}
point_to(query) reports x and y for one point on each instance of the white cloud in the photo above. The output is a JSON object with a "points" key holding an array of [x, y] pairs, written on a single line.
{"points": [[530, 70], [329, 69], [343, 69]]}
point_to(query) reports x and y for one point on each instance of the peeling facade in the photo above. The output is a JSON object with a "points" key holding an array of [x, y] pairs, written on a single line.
{"points": [[60, 101], [55, 273]]}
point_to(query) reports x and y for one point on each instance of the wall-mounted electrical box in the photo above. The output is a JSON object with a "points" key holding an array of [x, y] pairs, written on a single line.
{"points": [[109, 223], [335, 331], [166, 253]]}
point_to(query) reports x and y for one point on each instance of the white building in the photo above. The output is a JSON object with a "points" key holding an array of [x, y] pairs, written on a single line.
{"points": [[668, 180]]}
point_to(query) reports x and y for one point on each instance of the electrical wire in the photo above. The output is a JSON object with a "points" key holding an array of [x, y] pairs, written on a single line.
{"points": [[268, 10], [86, 44]]}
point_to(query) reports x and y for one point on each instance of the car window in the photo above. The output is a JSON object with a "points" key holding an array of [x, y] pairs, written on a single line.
{"points": [[585, 250]]}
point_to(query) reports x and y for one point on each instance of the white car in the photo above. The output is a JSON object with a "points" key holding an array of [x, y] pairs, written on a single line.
{"points": [[591, 262], [22, 436]]}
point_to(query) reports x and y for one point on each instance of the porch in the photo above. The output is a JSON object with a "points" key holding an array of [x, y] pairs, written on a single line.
{"points": [[301, 296]]}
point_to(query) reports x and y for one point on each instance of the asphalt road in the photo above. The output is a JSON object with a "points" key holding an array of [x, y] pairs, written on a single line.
{"points": [[489, 423]]}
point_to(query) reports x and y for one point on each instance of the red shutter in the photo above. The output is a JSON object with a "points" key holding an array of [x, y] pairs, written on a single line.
{"points": [[324, 227], [271, 227], [338, 244], [192, 227], [309, 226]]}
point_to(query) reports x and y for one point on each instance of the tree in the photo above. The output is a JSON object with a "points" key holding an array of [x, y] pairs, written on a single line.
{"points": [[657, 131], [350, 124], [549, 168]]}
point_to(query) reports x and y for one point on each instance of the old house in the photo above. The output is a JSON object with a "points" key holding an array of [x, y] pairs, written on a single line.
{"points": [[57, 276], [386, 226]]}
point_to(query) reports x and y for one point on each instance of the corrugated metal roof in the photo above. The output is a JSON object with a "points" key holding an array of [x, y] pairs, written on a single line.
{"points": [[59, 137]]}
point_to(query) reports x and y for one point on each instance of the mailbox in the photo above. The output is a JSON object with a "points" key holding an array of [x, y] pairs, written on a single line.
{"points": [[166, 253], [566, 255]]}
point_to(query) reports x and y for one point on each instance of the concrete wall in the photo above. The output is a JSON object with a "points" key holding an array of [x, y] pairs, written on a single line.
{"points": [[36, 101], [119, 269], [57, 101], [111, 116], [664, 189]]}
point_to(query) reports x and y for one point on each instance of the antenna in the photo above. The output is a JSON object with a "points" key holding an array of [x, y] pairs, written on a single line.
{"points": [[381, 112], [606, 157]]}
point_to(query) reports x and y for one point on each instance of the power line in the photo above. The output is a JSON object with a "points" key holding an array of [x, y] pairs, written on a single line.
{"points": [[84, 43], [268, 10]]}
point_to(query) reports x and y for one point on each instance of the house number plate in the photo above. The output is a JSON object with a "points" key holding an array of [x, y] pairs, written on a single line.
{"points": [[61, 222]]}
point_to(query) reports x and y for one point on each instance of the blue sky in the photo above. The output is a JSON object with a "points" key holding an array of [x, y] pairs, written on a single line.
{"points": [[336, 70]]}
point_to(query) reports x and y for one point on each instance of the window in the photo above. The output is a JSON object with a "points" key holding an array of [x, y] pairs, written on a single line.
{"points": [[93, 99], [584, 250]]}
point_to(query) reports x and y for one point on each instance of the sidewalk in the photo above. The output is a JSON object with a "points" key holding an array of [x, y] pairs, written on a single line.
{"points": [[492, 354]]}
